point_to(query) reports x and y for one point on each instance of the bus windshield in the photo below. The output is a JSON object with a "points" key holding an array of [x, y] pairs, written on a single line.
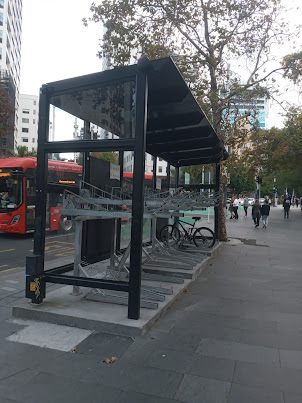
{"points": [[10, 189]]}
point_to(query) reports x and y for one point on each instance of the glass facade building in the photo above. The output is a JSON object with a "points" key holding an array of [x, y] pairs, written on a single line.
{"points": [[10, 47]]}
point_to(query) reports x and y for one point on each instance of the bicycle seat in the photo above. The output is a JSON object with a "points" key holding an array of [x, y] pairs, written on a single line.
{"points": [[196, 218]]}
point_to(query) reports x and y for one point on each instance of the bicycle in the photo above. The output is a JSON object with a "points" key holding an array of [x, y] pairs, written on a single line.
{"points": [[201, 237]]}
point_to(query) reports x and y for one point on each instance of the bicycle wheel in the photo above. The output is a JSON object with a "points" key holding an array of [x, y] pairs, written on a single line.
{"points": [[204, 237], [169, 235]]}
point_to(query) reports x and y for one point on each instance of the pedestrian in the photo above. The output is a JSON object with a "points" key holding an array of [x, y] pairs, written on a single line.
{"points": [[264, 211], [297, 201], [245, 205], [256, 212], [231, 209], [286, 206], [235, 207]]}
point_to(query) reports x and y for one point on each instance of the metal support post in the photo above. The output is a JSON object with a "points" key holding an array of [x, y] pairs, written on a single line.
{"points": [[176, 177], [138, 194], [176, 186], [168, 176], [216, 208], [77, 253], [113, 246], [35, 263], [119, 221], [154, 179], [154, 172], [86, 178], [153, 232]]}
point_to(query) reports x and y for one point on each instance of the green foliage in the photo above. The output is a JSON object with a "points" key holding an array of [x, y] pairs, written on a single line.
{"points": [[241, 180], [196, 173], [107, 156], [278, 152], [293, 64], [22, 151]]}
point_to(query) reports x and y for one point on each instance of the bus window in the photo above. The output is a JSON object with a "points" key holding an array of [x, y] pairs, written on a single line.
{"points": [[10, 190]]}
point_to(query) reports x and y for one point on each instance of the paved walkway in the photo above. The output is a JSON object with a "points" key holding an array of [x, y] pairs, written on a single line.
{"points": [[234, 336]]}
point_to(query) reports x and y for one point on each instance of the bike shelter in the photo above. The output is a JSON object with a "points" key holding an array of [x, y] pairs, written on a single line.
{"points": [[147, 107]]}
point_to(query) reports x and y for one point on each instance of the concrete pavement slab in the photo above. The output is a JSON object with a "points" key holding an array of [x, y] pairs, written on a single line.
{"points": [[291, 359], [238, 351], [211, 367], [248, 394], [266, 377], [41, 334], [193, 387], [131, 397], [41, 388]]}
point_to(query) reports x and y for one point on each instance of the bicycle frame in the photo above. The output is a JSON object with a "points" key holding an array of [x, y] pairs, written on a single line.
{"points": [[192, 226]]}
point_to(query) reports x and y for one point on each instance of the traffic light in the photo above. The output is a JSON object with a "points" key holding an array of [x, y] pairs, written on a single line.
{"points": [[259, 180]]}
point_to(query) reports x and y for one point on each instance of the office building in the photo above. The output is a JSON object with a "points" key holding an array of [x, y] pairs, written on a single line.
{"points": [[27, 133], [10, 50]]}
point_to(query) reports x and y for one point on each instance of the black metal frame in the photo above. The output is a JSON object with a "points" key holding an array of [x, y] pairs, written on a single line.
{"points": [[36, 277]]}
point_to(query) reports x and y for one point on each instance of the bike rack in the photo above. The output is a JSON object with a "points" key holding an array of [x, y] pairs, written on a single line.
{"points": [[95, 203]]}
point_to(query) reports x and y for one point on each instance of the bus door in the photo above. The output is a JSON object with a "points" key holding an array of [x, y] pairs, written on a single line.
{"points": [[30, 203]]}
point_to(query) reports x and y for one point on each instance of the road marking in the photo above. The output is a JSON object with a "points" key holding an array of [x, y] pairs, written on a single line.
{"points": [[58, 236], [14, 268], [8, 250], [64, 254], [8, 289], [11, 281], [56, 248], [70, 243], [4, 265]]}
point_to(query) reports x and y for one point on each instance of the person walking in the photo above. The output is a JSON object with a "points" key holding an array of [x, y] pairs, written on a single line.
{"points": [[256, 212], [231, 209], [245, 205], [297, 201], [286, 206], [264, 211], [235, 207]]}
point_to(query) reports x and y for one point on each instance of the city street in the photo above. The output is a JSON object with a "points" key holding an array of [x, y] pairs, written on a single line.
{"points": [[14, 248]]}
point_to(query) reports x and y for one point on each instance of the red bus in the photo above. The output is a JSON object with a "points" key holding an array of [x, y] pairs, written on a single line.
{"points": [[18, 193]]}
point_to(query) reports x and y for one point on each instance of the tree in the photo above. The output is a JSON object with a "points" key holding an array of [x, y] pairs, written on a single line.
{"points": [[22, 151], [205, 35], [242, 181], [278, 152], [106, 155]]}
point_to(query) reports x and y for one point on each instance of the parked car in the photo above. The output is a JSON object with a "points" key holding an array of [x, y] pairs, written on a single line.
{"points": [[251, 201], [262, 200]]}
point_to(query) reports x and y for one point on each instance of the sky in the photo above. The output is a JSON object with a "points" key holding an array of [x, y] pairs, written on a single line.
{"points": [[56, 45]]}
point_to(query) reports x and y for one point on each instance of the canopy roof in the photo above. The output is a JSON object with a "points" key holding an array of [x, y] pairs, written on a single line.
{"points": [[177, 129]]}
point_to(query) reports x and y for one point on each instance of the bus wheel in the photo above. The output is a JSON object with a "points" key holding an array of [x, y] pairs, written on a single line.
{"points": [[65, 225]]}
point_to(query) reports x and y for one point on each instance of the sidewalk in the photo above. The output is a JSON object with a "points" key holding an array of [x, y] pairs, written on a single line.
{"points": [[234, 336]]}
